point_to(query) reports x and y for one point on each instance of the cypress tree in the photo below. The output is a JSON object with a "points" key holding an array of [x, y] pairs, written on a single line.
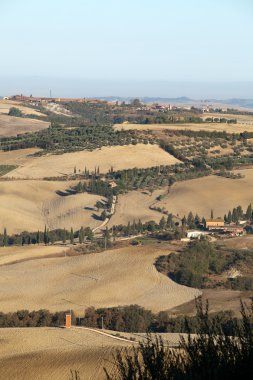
{"points": [[81, 235], [5, 238], [64, 236], [162, 223], [45, 236], [38, 237], [235, 217], [71, 236], [249, 212], [170, 221]]}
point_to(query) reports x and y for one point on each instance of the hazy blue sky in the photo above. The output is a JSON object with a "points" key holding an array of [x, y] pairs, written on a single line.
{"points": [[132, 47]]}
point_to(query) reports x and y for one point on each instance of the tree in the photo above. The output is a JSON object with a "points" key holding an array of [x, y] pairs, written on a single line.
{"points": [[64, 236], [106, 234], [190, 220], [239, 212], [170, 222], [38, 237], [45, 236], [5, 238], [71, 236], [249, 212], [103, 215], [212, 214], [197, 220], [235, 217], [162, 223], [14, 111], [88, 233], [81, 235], [229, 218], [183, 221], [136, 103]]}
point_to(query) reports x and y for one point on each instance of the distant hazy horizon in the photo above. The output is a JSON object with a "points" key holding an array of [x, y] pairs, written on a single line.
{"points": [[81, 88], [145, 48]]}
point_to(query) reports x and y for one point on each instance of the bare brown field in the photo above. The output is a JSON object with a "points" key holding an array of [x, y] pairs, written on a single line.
{"points": [[219, 300], [118, 157], [134, 206], [29, 205], [15, 254], [209, 193], [5, 106], [229, 128], [244, 242], [17, 157], [50, 353], [111, 278], [12, 126]]}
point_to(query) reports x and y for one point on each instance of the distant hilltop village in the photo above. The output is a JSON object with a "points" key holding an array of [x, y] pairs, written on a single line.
{"points": [[46, 100], [139, 104]]}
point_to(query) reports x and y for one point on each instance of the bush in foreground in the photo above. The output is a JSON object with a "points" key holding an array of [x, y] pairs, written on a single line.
{"points": [[210, 354]]}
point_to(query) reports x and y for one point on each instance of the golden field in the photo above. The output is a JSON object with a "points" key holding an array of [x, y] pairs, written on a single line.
{"points": [[5, 106], [118, 157], [30, 205], [115, 277], [135, 205], [215, 193], [51, 353]]}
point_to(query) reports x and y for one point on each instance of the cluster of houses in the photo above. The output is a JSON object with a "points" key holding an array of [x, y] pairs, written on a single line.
{"points": [[218, 227]]}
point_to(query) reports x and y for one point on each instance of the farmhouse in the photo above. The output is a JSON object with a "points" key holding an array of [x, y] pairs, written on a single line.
{"points": [[218, 225], [214, 224]]}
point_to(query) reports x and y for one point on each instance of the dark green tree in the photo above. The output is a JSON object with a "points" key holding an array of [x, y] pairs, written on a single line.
{"points": [[64, 236], [5, 238], [229, 217], [162, 223], [249, 212], [45, 236], [38, 237], [71, 236], [81, 235]]}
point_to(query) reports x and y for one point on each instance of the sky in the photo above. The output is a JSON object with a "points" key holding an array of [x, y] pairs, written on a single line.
{"points": [[164, 48]]}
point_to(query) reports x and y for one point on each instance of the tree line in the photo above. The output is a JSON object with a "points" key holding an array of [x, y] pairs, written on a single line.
{"points": [[46, 237]]}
